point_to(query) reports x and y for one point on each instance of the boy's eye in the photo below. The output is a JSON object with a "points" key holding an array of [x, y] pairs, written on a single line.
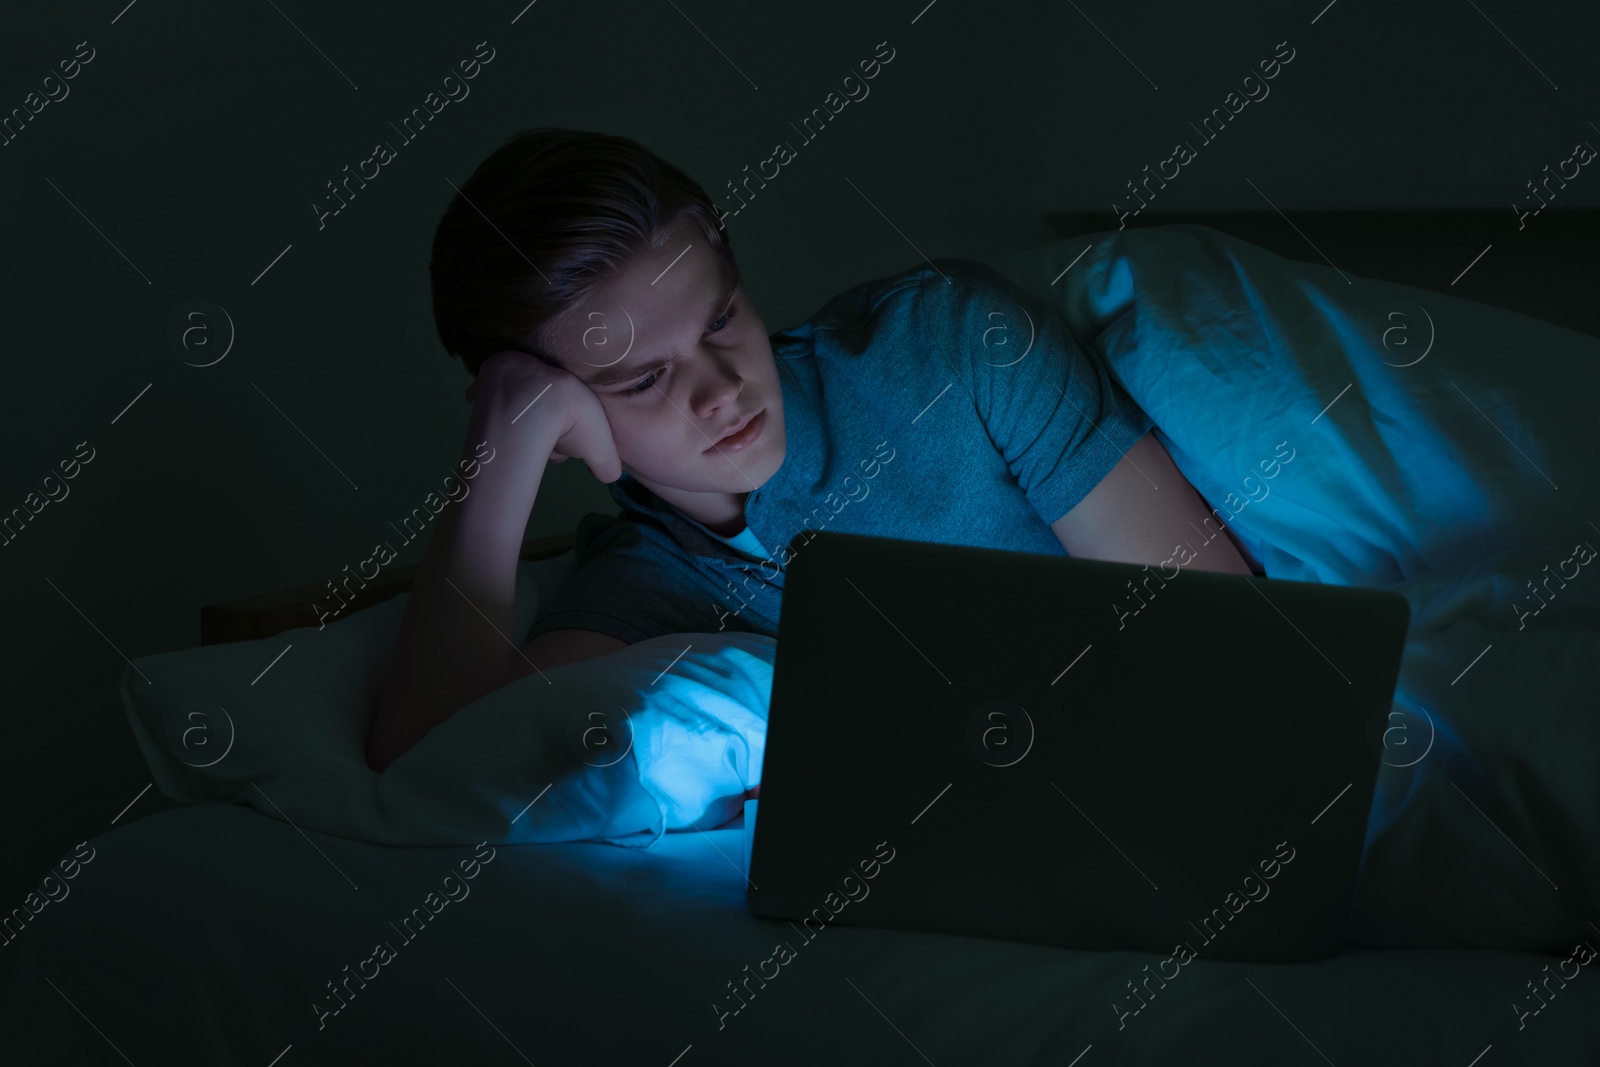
{"points": [[733, 308], [650, 380]]}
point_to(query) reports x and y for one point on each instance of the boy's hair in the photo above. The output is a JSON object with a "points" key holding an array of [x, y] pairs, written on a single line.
{"points": [[546, 219]]}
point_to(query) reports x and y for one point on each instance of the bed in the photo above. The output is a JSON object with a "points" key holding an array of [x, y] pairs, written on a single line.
{"points": [[307, 915]]}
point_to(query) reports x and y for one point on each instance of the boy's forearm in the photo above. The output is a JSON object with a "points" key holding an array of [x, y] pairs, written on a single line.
{"points": [[455, 642]]}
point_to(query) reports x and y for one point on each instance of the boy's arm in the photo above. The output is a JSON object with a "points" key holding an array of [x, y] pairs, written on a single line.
{"points": [[455, 642], [1051, 408], [1141, 512]]}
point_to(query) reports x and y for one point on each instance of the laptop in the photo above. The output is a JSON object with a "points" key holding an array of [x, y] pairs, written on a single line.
{"points": [[1071, 752]]}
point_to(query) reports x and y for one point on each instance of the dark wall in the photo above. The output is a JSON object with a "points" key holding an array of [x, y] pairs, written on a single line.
{"points": [[187, 155]]}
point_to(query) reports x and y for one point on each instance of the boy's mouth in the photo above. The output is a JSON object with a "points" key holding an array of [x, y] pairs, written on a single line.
{"points": [[743, 434]]}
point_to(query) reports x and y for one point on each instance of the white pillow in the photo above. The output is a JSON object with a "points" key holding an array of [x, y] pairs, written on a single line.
{"points": [[619, 748]]}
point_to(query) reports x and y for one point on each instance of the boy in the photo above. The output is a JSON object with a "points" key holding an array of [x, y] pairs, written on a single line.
{"points": [[591, 291]]}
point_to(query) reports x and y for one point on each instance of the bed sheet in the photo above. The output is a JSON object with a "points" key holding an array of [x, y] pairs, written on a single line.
{"points": [[212, 935]]}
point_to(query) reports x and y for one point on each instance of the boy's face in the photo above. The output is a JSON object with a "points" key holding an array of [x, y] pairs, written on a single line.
{"points": [[676, 364]]}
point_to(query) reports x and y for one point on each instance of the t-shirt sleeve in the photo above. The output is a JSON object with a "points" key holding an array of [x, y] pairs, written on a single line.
{"points": [[1049, 404], [631, 582]]}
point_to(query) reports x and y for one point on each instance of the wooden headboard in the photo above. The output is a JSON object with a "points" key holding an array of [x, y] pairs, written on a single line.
{"points": [[270, 613]]}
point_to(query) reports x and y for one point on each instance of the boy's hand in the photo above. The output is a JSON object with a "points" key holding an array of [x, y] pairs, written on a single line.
{"points": [[513, 385]]}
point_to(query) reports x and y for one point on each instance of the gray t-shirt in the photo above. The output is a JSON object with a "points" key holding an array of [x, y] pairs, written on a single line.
{"points": [[941, 404]]}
